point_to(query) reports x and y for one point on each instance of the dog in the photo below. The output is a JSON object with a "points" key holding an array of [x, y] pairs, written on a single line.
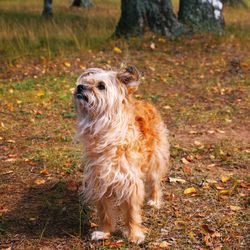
{"points": [[126, 149]]}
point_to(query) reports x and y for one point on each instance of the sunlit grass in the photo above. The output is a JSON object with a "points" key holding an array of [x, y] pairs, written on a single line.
{"points": [[23, 31]]}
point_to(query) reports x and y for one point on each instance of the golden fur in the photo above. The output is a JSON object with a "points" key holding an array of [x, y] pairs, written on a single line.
{"points": [[126, 148]]}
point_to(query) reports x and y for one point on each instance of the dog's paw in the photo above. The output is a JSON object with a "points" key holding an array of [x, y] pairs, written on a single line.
{"points": [[154, 203], [137, 237], [99, 235]]}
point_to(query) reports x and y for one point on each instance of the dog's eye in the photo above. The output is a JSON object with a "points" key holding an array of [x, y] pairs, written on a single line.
{"points": [[101, 85]]}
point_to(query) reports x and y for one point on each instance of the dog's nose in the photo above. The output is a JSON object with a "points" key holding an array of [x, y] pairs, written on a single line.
{"points": [[81, 88]]}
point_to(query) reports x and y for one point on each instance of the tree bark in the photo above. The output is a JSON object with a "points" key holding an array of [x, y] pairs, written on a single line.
{"points": [[202, 15], [235, 3], [47, 8], [82, 3], [158, 15]]}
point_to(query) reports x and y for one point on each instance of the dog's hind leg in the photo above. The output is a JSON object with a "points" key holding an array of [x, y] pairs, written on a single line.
{"points": [[157, 170], [107, 219], [132, 212]]}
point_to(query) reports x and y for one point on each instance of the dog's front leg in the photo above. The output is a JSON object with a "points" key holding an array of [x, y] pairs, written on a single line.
{"points": [[107, 219]]}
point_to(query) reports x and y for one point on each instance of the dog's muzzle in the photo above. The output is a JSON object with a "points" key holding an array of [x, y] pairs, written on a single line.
{"points": [[80, 93]]}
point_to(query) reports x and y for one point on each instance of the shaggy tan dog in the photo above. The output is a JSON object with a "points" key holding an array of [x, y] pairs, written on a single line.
{"points": [[126, 146]]}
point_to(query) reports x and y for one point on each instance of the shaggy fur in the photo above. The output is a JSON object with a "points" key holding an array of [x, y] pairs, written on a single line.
{"points": [[126, 148]]}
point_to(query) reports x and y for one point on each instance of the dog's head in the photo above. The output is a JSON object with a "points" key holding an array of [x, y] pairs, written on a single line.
{"points": [[101, 91]]}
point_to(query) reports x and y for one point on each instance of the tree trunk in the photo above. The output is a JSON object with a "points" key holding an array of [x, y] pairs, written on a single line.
{"points": [[202, 15], [235, 3], [47, 8], [158, 15], [82, 3]]}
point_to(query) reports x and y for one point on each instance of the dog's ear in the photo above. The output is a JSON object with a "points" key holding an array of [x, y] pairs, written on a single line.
{"points": [[129, 76]]}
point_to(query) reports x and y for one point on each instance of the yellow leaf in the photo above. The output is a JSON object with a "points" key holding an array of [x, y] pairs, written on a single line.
{"points": [[44, 171], [164, 244], [39, 181], [67, 64], [117, 50], [226, 191], [206, 186], [40, 93], [235, 208], [224, 179], [219, 187], [191, 235], [191, 190]]}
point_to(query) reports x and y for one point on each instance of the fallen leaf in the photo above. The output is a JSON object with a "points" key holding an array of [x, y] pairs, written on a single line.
{"points": [[164, 244], [191, 235], [211, 131], [10, 160], [187, 169], [192, 132], [216, 234], [235, 208], [230, 190], [190, 158], [190, 190], [162, 40], [67, 64], [39, 181], [220, 131], [11, 141], [206, 239], [244, 184], [205, 186], [152, 46], [176, 180], [198, 143], [224, 179], [206, 229], [117, 50], [211, 181], [226, 192], [166, 107], [219, 187], [44, 171], [184, 160], [40, 93]]}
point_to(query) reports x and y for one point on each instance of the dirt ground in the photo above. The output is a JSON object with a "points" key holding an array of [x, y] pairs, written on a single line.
{"points": [[200, 85]]}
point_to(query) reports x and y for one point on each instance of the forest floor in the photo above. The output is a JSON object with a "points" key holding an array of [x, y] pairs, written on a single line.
{"points": [[200, 84]]}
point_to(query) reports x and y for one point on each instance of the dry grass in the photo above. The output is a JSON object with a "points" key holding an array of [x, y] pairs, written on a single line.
{"points": [[23, 32], [203, 98]]}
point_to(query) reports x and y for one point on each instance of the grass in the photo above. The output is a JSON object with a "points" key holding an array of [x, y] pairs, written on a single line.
{"points": [[25, 33], [203, 99]]}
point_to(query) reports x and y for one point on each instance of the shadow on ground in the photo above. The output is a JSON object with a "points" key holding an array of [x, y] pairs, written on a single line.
{"points": [[50, 210]]}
